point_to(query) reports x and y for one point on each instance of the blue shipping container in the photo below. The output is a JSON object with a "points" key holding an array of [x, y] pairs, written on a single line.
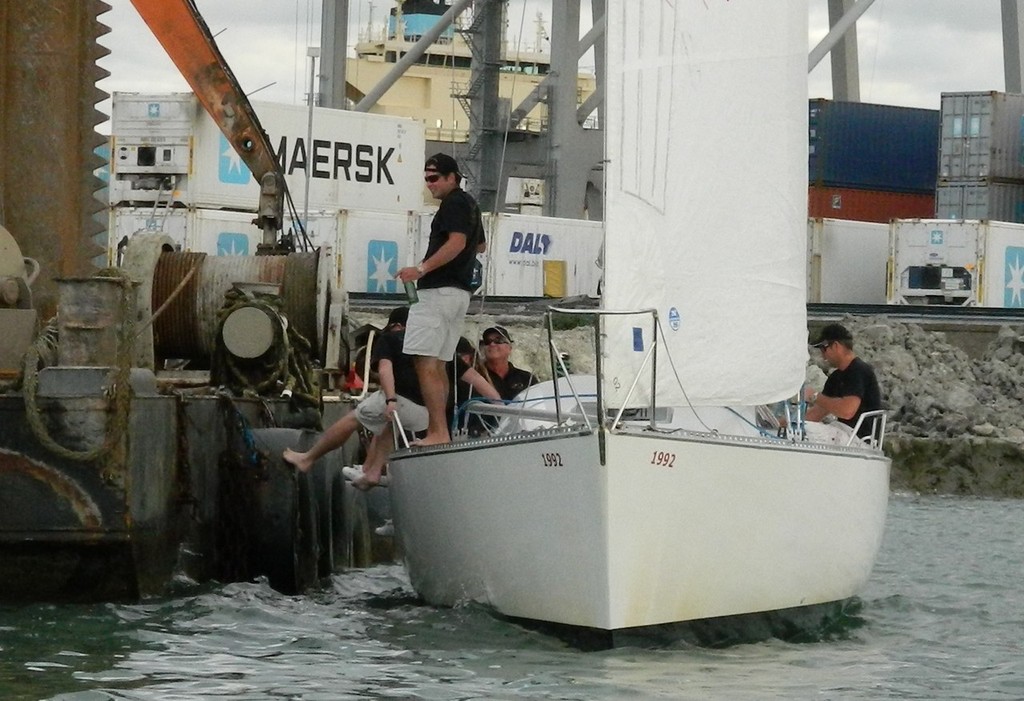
{"points": [[873, 147]]}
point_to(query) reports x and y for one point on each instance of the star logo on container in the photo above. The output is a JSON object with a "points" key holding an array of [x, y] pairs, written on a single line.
{"points": [[381, 266], [1013, 293], [936, 238], [230, 243], [230, 168], [153, 110]]}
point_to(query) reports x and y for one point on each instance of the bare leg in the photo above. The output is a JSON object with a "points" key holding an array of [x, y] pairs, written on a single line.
{"points": [[376, 458], [334, 437], [434, 386]]}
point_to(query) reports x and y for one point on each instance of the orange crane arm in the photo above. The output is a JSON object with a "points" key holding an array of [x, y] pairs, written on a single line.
{"points": [[183, 33]]}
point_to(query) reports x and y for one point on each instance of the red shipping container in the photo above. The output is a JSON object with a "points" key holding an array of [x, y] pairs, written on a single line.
{"points": [[868, 205]]}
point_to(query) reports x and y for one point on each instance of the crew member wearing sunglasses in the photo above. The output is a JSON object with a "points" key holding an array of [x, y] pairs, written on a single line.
{"points": [[851, 389], [444, 282]]}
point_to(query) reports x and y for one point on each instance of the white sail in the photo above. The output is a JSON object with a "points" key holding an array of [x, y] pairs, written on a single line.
{"points": [[706, 197]]}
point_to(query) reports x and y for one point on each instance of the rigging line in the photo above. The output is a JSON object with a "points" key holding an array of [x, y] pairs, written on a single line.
{"points": [[679, 380], [512, 92], [295, 57], [504, 142]]}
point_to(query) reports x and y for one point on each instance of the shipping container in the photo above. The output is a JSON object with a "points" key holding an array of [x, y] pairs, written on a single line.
{"points": [[872, 147], [153, 116], [981, 136], [125, 222], [961, 263], [980, 199], [375, 245], [868, 205], [355, 161], [846, 261], [535, 256], [215, 232]]}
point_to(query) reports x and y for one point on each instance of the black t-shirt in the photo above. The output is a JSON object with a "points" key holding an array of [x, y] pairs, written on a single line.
{"points": [[857, 380], [509, 387], [458, 213], [513, 383], [389, 346]]}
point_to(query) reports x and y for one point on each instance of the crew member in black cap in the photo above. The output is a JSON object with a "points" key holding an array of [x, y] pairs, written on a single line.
{"points": [[851, 389], [444, 281], [496, 348]]}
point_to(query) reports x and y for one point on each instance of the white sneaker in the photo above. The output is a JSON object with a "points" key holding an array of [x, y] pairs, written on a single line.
{"points": [[387, 530], [357, 477]]}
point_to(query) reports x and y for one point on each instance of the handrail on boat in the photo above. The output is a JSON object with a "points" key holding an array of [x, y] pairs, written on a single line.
{"points": [[650, 358], [876, 437]]}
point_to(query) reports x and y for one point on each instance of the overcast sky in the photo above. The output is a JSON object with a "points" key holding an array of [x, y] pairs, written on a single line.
{"points": [[910, 50]]}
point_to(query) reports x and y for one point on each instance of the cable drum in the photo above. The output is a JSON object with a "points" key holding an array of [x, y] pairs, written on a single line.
{"points": [[189, 326]]}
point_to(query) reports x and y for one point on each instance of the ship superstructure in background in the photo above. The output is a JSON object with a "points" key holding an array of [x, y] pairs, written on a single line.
{"points": [[433, 89]]}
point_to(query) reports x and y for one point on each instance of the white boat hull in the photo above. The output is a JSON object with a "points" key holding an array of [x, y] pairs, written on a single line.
{"points": [[666, 529]]}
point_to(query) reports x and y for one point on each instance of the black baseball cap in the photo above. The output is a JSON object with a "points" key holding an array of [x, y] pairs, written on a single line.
{"points": [[464, 347], [499, 330], [831, 333], [399, 315], [443, 164]]}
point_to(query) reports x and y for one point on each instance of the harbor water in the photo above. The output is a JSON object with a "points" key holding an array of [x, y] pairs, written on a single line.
{"points": [[942, 618]]}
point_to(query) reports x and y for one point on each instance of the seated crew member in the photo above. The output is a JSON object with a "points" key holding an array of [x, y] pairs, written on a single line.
{"points": [[510, 381], [399, 391], [851, 389]]}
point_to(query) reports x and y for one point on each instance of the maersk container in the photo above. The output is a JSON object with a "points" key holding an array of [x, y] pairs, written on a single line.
{"points": [[125, 222], [215, 232], [873, 147], [981, 136], [868, 205], [155, 116], [846, 261], [961, 263], [980, 199], [375, 245], [356, 161]]}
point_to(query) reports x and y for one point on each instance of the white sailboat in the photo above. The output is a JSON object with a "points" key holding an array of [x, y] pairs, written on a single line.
{"points": [[647, 495]]}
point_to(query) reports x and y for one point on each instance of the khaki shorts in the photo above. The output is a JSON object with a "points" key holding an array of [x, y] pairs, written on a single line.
{"points": [[370, 414], [435, 323]]}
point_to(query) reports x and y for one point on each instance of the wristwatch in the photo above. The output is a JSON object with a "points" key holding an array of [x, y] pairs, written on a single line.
{"points": [[390, 399], [420, 270]]}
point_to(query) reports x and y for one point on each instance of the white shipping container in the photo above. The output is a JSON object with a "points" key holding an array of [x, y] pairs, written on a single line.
{"points": [[215, 232], [981, 135], [533, 256], [846, 261], [125, 222], [356, 161], [980, 200], [220, 232], [153, 116], [962, 263], [374, 245]]}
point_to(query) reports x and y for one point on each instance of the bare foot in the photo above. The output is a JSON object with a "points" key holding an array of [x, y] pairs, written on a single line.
{"points": [[438, 439], [300, 461], [359, 479]]}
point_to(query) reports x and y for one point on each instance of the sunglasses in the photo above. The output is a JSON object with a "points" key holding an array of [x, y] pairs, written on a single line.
{"points": [[432, 178], [823, 346], [493, 342]]}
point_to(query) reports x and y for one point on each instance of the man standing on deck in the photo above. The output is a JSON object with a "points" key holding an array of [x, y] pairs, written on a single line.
{"points": [[443, 280], [851, 389]]}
